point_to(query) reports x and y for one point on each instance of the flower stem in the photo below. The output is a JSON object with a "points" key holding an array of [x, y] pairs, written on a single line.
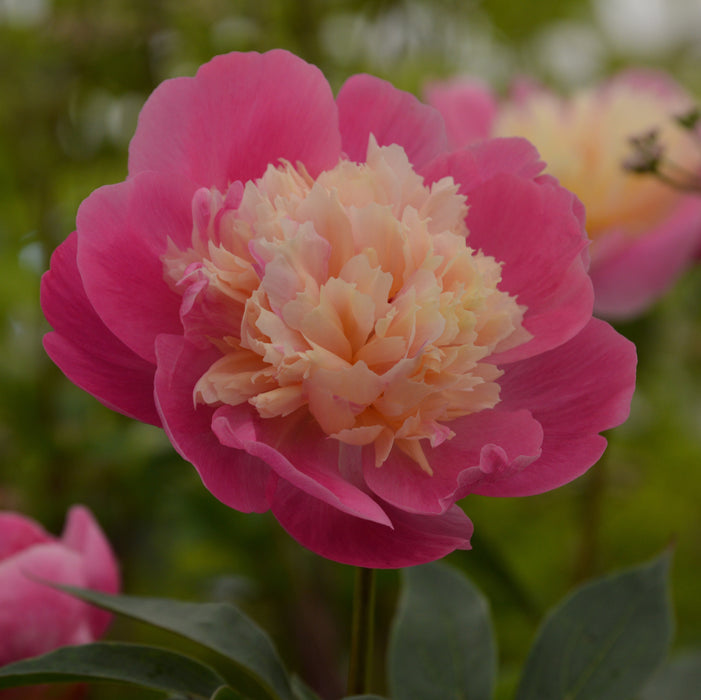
{"points": [[591, 504], [362, 632]]}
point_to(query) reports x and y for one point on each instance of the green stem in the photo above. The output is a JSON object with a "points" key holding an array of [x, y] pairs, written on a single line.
{"points": [[591, 503], [362, 632]]}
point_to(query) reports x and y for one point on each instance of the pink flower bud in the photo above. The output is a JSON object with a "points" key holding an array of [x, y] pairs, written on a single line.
{"points": [[34, 617]]}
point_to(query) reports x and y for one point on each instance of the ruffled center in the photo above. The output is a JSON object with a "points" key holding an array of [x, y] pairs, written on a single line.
{"points": [[354, 297]]}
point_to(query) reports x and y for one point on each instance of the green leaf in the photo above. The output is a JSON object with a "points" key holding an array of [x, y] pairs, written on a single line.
{"points": [[679, 679], [441, 643], [364, 697], [218, 626], [146, 666], [604, 640], [226, 693]]}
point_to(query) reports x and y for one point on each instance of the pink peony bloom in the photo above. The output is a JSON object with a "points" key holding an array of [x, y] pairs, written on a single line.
{"points": [[333, 315], [644, 233], [35, 618]]}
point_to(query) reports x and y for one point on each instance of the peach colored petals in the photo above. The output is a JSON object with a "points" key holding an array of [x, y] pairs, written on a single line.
{"points": [[357, 297], [643, 232], [326, 308], [35, 618]]}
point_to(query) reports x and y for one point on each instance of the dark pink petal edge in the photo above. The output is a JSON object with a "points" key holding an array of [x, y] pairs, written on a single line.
{"points": [[300, 453], [487, 446], [575, 392], [236, 478], [87, 352], [339, 536], [123, 231]]}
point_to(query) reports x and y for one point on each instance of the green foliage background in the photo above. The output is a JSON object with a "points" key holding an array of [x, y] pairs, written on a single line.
{"points": [[73, 75]]}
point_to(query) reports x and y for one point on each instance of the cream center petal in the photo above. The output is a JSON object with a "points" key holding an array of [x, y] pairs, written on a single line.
{"points": [[354, 297]]}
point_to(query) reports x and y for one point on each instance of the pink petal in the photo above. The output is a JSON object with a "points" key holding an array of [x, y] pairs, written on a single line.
{"points": [[535, 228], [122, 233], [479, 163], [83, 535], [648, 80], [240, 112], [487, 446], [19, 532], [574, 391], [85, 349], [299, 452], [368, 105], [467, 106], [632, 278], [333, 534], [236, 478], [35, 618]]}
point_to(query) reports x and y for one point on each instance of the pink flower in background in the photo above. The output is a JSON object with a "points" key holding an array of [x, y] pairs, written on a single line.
{"points": [[35, 618], [644, 233], [333, 315]]}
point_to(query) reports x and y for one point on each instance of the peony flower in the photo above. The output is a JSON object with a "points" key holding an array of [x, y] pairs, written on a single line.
{"points": [[34, 617], [644, 233], [335, 317]]}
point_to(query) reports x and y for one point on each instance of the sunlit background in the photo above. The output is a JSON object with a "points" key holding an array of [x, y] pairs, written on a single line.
{"points": [[73, 76]]}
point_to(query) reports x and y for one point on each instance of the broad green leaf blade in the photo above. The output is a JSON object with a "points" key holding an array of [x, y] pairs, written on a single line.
{"points": [[441, 643], [364, 697], [217, 626], [604, 640], [679, 679], [226, 693], [137, 664]]}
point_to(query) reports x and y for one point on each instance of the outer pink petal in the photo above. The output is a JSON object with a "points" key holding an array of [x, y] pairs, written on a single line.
{"points": [[236, 478], [35, 618], [83, 535], [123, 231], [240, 112], [535, 227], [18, 532], [467, 106], [368, 105], [575, 391], [535, 230], [632, 278], [299, 452], [474, 165], [487, 446], [333, 534], [87, 352]]}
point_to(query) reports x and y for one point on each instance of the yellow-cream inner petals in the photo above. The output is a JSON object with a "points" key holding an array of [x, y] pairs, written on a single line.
{"points": [[353, 296]]}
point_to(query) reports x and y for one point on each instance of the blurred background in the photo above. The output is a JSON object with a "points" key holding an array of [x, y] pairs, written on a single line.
{"points": [[73, 76]]}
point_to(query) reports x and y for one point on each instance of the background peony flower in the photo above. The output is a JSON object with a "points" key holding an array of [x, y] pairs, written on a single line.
{"points": [[644, 233], [35, 618], [333, 315]]}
